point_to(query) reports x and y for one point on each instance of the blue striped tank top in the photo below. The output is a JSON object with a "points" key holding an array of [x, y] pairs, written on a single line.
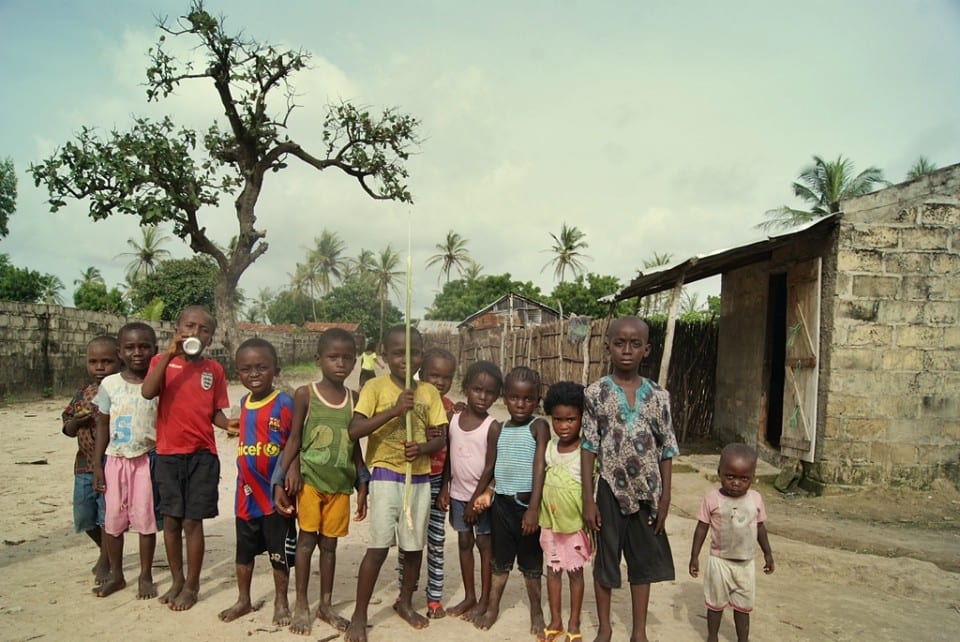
{"points": [[513, 472]]}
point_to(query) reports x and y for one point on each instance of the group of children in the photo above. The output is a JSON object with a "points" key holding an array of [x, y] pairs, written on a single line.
{"points": [[517, 491]]}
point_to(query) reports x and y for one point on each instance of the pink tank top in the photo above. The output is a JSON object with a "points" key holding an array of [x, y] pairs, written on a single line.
{"points": [[468, 453]]}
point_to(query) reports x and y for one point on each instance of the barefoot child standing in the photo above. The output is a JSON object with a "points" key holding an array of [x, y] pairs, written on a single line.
{"points": [[735, 516], [379, 416], [515, 461], [263, 430], [565, 546], [126, 435], [467, 440], [193, 393], [79, 423], [323, 466], [628, 433]]}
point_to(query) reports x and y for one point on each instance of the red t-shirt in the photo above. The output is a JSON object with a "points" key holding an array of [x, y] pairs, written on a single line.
{"points": [[191, 393]]}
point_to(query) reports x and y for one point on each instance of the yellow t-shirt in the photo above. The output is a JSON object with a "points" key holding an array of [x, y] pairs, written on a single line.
{"points": [[385, 444], [368, 360]]}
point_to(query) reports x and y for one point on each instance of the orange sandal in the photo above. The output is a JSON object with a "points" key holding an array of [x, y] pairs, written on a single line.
{"points": [[435, 611]]}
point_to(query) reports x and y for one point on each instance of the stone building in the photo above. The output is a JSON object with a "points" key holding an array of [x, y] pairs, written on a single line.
{"points": [[839, 343]]}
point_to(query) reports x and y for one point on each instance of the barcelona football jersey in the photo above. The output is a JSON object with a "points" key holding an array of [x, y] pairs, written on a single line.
{"points": [[264, 428]]}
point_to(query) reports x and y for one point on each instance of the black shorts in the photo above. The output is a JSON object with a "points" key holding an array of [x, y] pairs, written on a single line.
{"points": [[272, 534], [188, 484], [509, 542], [648, 556]]}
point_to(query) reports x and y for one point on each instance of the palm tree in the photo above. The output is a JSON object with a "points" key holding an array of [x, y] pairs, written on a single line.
{"points": [[824, 185], [303, 283], [473, 271], [453, 254], [655, 303], [52, 286], [325, 260], [567, 251], [88, 276], [146, 254], [257, 312], [361, 266], [922, 167], [386, 278]]}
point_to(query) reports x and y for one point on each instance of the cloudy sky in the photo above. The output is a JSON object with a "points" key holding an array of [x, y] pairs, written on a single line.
{"points": [[653, 127]]}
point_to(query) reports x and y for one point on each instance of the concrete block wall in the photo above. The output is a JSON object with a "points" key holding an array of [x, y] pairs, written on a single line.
{"points": [[43, 347], [892, 409]]}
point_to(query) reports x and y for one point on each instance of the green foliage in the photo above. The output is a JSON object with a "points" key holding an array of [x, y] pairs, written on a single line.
{"points": [[713, 305], [823, 185], [20, 284], [291, 306], [8, 194], [178, 283], [94, 296], [152, 311], [567, 251], [461, 298], [452, 253], [357, 301], [922, 167], [580, 296]]}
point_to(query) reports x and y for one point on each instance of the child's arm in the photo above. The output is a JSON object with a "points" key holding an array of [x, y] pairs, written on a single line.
{"points": [[414, 449], [153, 382], [489, 462], [663, 506], [220, 420], [290, 459], [699, 535], [591, 516], [363, 482], [101, 437], [72, 425], [541, 433], [443, 497], [76, 415], [765, 547], [361, 426]]}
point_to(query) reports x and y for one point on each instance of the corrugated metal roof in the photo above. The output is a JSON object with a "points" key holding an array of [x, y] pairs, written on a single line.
{"points": [[485, 309], [716, 262]]}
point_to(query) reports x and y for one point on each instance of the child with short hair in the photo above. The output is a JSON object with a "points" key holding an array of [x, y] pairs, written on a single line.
{"points": [[369, 362], [515, 462], [735, 516], [467, 439], [565, 544], [438, 368], [628, 434], [79, 423], [263, 430], [193, 393], [126, 438], [323, 466], [399, 512]]}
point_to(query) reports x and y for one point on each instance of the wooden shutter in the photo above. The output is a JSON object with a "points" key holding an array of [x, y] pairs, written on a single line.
{"points": [[798, 438]]}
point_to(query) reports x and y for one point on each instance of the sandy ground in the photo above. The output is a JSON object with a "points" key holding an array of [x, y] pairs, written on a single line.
{"points": [[876, 565]]}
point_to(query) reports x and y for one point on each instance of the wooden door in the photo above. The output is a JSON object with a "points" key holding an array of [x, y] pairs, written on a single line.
{"points": [[802, 364]]}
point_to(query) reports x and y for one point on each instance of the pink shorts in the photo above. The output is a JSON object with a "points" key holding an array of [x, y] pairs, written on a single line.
{"points": [[129, 496], [564, 551]]}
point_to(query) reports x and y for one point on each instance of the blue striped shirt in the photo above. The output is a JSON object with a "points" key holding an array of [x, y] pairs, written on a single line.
{"points": [[513, 472]]}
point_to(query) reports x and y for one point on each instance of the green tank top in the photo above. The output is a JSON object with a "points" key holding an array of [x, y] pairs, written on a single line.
{"points": [[326, 451]]}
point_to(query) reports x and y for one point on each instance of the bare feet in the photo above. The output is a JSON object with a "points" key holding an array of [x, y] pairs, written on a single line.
{"points": [[356, 631], [237, 610], [537, 625], [184, 600], [172, 593], [411, 617], [474, 613], [281, 612], [603, 636], [326, 614], [110, 586], [459, 609], [146, 589], [302, 622], [486, 620], [101, 572]]}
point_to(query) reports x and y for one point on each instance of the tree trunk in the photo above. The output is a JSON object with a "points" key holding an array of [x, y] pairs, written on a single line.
{"points": [[226, 314]]}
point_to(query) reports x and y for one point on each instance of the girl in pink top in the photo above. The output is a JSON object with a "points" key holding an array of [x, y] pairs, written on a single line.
{"points": [[468, 438]]}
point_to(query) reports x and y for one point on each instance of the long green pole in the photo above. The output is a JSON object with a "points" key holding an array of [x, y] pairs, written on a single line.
{"points": [[408, 478]]}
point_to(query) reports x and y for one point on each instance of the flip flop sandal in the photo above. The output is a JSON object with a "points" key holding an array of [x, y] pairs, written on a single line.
{"points": [[573, 637], [549, 635]]}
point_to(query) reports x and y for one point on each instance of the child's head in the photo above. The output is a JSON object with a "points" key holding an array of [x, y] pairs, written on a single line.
{"points": [[102, 358], [627, 342], [196, 321], [336, 355], [521, 392], [437, 368], [564, 404], [257, 366], [738, 465], [482, 385], [137, 345], [395, 351], [371, 346]]}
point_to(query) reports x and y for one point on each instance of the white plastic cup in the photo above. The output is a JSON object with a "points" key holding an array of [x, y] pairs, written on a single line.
{"points": [[192, 345]]}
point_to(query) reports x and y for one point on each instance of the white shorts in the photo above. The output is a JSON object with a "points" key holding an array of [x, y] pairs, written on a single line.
{"points": [[729, 583], [388, 524]]}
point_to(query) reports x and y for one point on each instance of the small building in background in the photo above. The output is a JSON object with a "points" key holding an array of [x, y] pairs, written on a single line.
{"points": [[510, 312]]}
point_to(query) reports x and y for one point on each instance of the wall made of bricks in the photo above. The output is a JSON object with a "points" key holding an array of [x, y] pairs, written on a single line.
{"points": [[891, 412]]}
